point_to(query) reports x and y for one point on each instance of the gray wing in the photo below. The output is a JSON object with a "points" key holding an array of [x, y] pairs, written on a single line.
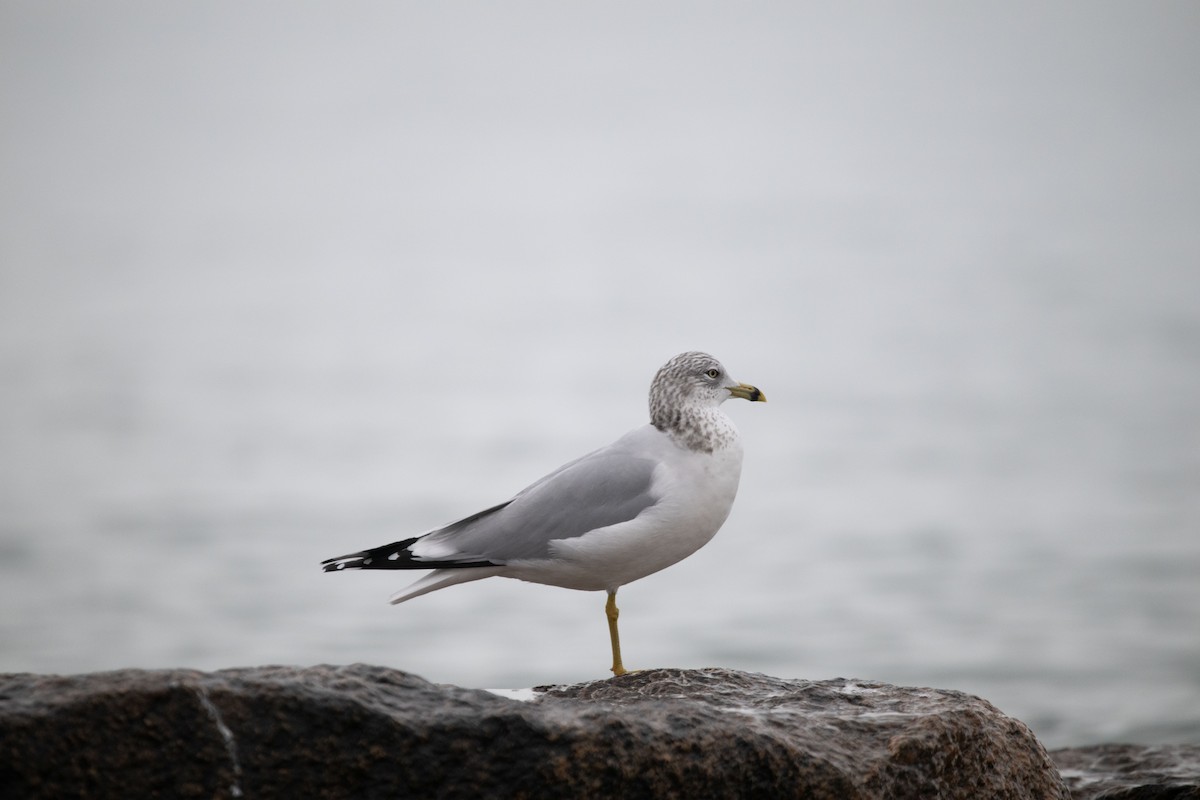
{"points": [[606, 487]]}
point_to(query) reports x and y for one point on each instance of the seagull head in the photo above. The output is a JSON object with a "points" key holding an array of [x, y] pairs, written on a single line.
{"points": [[694, 379]]}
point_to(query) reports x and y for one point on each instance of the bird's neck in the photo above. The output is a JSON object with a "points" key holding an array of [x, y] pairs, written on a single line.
{"points": [[701, 428]]}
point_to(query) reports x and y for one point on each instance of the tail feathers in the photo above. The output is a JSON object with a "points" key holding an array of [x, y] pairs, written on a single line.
{"points": [[440, 579], [397, 555]]}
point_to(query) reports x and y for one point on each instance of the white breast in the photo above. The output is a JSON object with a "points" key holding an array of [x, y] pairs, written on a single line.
{"points": [[697, 490]]}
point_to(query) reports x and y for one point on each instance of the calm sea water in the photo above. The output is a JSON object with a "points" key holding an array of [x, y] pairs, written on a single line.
{"points": [[271, 295]]}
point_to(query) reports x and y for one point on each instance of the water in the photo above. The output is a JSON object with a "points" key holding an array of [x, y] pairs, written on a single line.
{"points": [[273, 292]]}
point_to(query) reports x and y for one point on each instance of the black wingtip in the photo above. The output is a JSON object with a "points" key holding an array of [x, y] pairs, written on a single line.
{"points": [[397, 556], [389, 556], [348, 561]]}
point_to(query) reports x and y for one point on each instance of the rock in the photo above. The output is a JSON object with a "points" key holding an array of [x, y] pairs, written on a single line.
{"points": [[366, 732], [1131, 772]]}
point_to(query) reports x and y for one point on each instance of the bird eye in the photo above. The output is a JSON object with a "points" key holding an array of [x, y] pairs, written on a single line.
{"points": [[712, 373]]}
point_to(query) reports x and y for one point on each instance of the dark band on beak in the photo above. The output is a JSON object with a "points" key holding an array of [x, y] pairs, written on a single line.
{"points": [[748, 392]]}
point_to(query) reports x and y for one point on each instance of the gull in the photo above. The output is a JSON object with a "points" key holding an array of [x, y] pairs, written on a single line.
{"points": [[646, 501]]}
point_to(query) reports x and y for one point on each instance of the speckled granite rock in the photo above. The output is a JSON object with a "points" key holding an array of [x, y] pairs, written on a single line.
{"points": [[366, 732]]}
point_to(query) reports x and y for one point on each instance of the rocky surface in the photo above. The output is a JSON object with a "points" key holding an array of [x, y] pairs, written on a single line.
{"points": [[1131, 772], [365, 732]]}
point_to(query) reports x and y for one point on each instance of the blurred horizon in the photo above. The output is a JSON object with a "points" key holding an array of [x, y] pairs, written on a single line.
{"points": [[282, 283]]}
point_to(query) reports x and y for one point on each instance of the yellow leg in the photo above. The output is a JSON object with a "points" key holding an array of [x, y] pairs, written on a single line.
{"points": [[610, 609]]}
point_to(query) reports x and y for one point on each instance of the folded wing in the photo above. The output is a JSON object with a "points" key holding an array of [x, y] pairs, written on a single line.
{"points": [[606, 487]]}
